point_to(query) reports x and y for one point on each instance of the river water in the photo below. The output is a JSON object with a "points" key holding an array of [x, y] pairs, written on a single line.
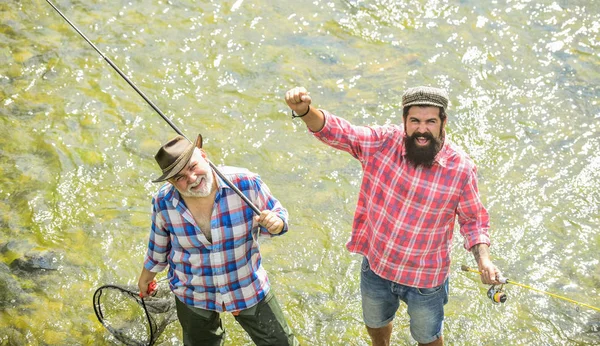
{"points": [[77, 145]]}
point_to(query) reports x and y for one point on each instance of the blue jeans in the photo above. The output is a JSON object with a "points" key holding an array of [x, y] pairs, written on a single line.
{"points": [[381, 299]]}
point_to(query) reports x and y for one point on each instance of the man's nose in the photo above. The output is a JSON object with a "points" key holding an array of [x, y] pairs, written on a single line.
{"points": [[191, 177]]}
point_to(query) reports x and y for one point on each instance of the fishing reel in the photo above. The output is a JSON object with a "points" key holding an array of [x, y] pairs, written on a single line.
{"points": [[496, 294]]}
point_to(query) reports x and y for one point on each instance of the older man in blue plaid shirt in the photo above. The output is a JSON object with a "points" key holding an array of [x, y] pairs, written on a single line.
{"points": [[207, 236]]}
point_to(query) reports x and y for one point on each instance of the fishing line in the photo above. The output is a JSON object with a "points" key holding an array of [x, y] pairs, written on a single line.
{"points": [[155, 107], [509, 281], [129, 318]]}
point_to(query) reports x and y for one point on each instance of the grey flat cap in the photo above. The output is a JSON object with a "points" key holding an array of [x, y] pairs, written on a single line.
{"points": [[423, 95]]}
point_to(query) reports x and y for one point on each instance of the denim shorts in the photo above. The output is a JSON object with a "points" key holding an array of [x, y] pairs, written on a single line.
{"points": [[381, 299]]}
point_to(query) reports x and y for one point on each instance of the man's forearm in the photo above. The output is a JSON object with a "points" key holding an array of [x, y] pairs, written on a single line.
{"points": [[314, 119], [481, 252], [489, 272]]}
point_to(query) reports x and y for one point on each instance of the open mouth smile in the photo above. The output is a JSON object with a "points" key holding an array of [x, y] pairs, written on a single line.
{"points": [[422, 141], [198, 184]]}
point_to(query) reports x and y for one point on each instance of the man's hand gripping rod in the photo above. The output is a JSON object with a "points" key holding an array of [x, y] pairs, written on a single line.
{"points": [[497, 294]]}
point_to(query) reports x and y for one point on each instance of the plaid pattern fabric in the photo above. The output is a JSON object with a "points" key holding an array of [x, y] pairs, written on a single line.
{"points": [[226, 272], [405, 216]]}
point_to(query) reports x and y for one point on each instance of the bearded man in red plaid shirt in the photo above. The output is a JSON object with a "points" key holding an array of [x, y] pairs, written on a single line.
{"points": [[415, 184]]}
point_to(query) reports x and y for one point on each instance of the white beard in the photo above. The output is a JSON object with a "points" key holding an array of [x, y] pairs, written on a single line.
{"points": [[204, 191]]}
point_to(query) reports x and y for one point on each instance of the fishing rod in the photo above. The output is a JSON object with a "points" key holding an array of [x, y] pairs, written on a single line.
{"points": [[155, 107], [497, 295]]}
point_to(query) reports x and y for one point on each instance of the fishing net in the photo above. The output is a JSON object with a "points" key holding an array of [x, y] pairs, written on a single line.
{"points": [[130, 319]]}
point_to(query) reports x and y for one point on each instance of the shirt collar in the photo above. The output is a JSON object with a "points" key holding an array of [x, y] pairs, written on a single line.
{"points": [[221, 183], [442, 156], [172, 194]]}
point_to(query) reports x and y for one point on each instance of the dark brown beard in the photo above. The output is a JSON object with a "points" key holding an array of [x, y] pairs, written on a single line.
{"points": [[418, 155]]}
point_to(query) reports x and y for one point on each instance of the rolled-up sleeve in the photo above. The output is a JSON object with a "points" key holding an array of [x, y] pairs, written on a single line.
{"points": [[159, 244], [473, 218], [267, 201], [358, 141]]}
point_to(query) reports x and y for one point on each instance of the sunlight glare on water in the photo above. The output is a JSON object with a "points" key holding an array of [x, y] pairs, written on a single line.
{"points": [[77, 150]]}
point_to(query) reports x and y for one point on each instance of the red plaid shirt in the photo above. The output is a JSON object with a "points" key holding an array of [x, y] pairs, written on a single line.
{"points": [[405, 216]]}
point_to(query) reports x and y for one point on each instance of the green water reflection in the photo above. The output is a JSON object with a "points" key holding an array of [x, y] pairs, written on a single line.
{"points": [[77, 147]]}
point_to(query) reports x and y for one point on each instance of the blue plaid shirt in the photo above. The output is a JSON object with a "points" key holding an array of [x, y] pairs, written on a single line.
{"points": [[227, 274]]}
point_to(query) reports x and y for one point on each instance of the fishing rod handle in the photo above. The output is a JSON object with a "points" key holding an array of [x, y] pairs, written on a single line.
{"points": [[500, 279]]}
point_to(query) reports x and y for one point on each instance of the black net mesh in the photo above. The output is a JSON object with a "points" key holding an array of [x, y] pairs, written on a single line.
{"points": [[130, 319]]}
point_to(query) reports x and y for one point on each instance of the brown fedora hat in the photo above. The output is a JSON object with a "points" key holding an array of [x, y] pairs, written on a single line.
{"points": [[174, 155]]}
